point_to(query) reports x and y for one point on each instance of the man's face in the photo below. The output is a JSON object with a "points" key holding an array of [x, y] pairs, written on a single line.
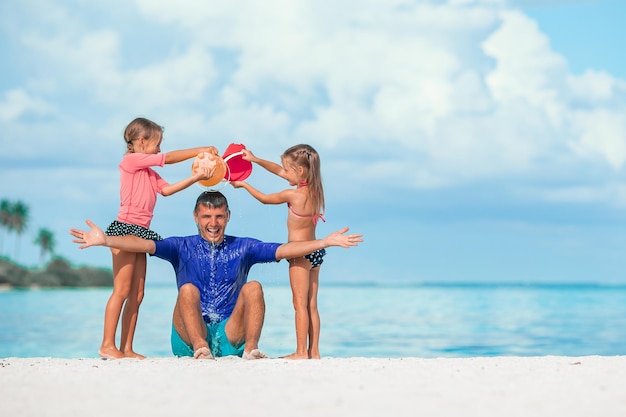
{"points": [[211, 223]]}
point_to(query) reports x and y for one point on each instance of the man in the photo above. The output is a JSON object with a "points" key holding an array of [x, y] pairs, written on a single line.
{"points": [[217, 312]]}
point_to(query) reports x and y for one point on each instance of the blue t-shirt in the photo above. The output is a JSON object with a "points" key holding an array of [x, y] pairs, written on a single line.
{"points": [[218, 271]]}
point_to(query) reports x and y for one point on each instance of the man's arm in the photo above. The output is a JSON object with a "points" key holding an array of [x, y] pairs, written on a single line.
{"points": [[301, 248], [96, 237]]}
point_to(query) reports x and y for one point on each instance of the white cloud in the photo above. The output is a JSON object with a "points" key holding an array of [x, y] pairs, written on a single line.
{"points": [[96, 64], [404, 100], [529, 72], [18, 102], [601, 132], [182, 79], [464, 90], [612, 193], [595, 87], [526, 68]]}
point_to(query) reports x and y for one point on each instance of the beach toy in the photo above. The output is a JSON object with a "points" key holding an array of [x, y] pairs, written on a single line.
{"points": [[209, 160], [238, 168]]}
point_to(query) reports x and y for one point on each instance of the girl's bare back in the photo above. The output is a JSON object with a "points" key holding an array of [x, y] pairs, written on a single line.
{"points": [[300, 220]]}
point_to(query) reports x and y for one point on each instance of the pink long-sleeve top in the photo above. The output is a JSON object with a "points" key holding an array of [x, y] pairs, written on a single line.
{"points": [[139, 185]]}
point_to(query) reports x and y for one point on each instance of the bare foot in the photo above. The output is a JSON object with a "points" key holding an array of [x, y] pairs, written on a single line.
{"points": [[203, 353], [254, 354], [131, 354], [314, 355], [110, 353], [295, 356]]}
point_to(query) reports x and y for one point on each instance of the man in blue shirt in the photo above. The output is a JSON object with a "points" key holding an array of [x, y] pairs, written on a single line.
{"points": [[218, 312]]}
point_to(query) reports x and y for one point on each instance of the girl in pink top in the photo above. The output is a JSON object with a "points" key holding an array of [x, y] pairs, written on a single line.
{"points": [[139, 185], [305, 204]]}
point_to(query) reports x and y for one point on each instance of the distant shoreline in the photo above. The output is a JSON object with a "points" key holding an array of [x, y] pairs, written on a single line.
{"points": [[58, 273]]}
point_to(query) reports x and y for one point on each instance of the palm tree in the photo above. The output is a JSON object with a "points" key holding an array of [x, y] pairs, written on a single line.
{"points": [[19, 222], [5, 219], [45, 239]]}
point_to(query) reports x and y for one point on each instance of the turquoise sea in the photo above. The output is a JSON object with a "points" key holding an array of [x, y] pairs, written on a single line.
{"points": [[422, 320]]}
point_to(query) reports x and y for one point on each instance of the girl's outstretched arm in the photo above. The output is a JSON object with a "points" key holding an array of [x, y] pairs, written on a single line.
{"points": [[202, 173], [270, 166], [180, 155], [275, 198]]}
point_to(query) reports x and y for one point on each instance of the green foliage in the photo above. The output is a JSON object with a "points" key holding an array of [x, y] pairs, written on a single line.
{"points": [[58, 273], [45, 240], [11, 274], [14, 218]]}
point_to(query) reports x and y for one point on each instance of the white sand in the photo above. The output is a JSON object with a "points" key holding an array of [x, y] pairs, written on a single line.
{"points": [[502, 386]]}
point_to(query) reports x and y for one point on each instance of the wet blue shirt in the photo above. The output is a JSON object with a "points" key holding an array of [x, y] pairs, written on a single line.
{"points": [[218, 271]]}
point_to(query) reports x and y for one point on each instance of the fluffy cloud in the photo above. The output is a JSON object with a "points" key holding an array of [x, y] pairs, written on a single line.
{"points": [[452, 92], [17, 103]]}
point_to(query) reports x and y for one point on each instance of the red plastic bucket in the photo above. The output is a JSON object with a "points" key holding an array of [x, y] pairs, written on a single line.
{"points": [[238, 168]]}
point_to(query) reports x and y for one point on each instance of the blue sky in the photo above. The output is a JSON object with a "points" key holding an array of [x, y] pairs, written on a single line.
{"points": [[468, 140]]}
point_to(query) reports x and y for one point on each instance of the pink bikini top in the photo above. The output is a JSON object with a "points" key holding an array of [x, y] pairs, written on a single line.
{"points": [[314, 217]]}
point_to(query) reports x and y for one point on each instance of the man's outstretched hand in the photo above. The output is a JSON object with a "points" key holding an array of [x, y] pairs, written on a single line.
{"points": [[340, 238], [87, 238]]}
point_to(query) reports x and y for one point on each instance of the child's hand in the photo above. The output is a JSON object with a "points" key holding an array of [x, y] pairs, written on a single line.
{"points": [[203, 172], [237, 184], [213, 150], [248, 155], [206, 165]]}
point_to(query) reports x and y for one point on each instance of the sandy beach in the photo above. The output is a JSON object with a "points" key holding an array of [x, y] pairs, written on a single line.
{"points": [[499, 386]]}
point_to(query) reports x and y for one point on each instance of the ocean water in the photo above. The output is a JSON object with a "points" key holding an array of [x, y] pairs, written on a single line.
{"points": [[463, 320]]}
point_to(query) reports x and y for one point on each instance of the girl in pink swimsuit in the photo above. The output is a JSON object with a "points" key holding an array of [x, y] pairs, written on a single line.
{"points": [[301, 168], [139, 185]]}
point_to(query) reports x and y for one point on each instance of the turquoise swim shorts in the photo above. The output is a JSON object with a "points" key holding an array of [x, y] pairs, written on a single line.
{"points": [[216, 338]]}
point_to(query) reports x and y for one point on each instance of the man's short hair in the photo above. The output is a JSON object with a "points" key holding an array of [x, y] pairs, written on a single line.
{"points": [[211, 199]]}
